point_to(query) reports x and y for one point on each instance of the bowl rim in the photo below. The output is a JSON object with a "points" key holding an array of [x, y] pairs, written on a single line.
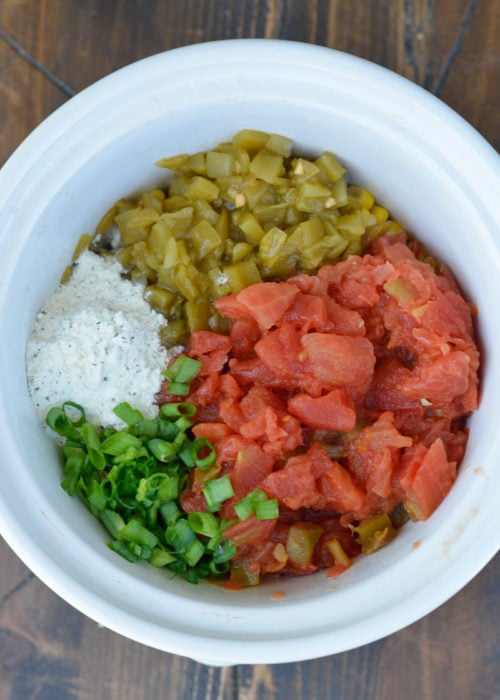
{"points": [[22, 160]]}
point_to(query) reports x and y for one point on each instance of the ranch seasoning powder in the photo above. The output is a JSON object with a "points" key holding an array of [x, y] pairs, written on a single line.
{"points": [[96, 342]]}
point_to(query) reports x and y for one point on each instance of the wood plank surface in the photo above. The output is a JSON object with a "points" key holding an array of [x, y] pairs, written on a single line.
{"points": [[51, 49]]}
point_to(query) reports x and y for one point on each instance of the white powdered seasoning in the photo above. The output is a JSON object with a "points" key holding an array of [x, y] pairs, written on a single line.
{"points": [[96, 342]]}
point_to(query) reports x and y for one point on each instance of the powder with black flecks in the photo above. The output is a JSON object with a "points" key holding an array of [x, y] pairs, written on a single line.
{"points": [[96, 342]]}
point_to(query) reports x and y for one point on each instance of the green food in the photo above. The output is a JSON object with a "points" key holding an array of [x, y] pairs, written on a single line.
{"points": [[249, 210], [131, 480]]}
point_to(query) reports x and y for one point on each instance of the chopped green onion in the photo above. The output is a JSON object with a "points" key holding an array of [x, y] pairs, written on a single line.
{"points": [[202, 446], [243, 509], [93, 444], [183, 423], [127, 414], [267, 510], [170, 511], [183, 408], [203, 523], [187, 457], [225, 551], [62, 424], [131, 480], [180, 536], [135, 532], [130, 551], [95, 500], [160, 557], [178, 389], [71, 408], [166, 430], [112, 521], [183, 369], [123, 550], [163, 451], [119, 443], [216, 491], [147, 428], [74, 462], [194, 553], [251, 503]]}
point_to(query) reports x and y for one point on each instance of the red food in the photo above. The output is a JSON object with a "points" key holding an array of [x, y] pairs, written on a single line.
{"points": [[333, 411], [340, 394], [433, 479], [267, 302]]}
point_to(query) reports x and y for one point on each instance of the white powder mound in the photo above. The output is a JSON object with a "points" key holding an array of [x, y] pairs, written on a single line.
{"points": [[96, 342]]}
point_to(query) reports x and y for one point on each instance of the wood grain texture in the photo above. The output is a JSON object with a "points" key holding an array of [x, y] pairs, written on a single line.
{"points": [[51, 49]]}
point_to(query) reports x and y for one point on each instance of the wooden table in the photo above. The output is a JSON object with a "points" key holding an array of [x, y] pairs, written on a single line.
{"points": [[51, 49]]}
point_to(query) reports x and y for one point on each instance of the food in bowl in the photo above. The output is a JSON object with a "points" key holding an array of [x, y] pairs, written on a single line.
{"points": [[329, 367]]}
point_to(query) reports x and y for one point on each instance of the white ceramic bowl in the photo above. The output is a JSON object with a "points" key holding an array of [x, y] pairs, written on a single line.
{"points": [[421, 159]]}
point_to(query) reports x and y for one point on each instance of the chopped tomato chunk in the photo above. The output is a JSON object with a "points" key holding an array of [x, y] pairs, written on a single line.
{"points": [[342, 395]]}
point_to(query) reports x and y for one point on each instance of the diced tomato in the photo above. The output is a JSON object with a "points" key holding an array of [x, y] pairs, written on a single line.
{"points": [[251, 467], [295, 484], [280, 350], [372, 455], [230, 306], [250, 531], [265, 425], [244, 333], [229, 387], [341, 394], [230, 413], [292, 439], [267, 302], [385, 391], [309, 284], [207, 392], [339, 361], [211, 348], [339, 489], [228, 448], [258, 398], [203, 342], [193, 501], [431, 483], [357, 282], [212, 431], [448, 315], [307, 312], [408, 466], [252, 371], [333, 411], [441, 381], [344, 321]]}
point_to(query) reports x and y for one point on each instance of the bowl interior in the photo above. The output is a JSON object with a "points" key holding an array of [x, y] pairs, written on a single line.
{"points": [[428, 167]]}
